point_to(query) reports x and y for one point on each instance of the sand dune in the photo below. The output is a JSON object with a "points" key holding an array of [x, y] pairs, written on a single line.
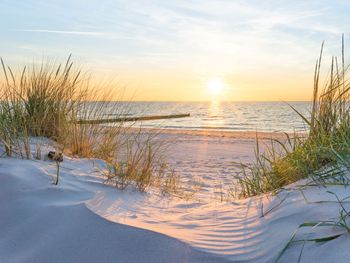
{"points": [[44, 223], [82, 220]]}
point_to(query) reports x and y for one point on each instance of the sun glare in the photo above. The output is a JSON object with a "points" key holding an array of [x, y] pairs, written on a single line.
{"points": [[216, 86]]}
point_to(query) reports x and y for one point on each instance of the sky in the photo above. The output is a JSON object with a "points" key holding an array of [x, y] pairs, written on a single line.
{"points": [[179, 50]]}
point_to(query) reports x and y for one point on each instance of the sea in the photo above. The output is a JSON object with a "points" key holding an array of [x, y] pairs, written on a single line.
{"points": [[221, 116]]}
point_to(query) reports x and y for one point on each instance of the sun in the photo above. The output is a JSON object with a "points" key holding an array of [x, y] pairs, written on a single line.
{"points": [[216, 86]]}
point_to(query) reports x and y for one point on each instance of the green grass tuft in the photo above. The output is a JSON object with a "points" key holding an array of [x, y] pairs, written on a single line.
{"points": [[326, 143]]}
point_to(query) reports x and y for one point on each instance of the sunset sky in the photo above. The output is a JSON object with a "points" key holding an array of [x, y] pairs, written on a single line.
{"points": [[183, 49]]}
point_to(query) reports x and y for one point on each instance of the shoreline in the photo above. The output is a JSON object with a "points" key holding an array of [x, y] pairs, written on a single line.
{"points": [[216, 133]]}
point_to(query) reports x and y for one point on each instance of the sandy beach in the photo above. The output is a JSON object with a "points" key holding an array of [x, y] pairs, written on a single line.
{"points": [[174, 131], [82, 220], [241, 135]]}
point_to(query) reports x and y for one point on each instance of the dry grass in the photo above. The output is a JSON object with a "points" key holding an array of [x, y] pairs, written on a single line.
{"points": [[49, 100], [140, 164]]}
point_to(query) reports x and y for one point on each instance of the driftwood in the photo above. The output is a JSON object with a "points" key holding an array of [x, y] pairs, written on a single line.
{"points": [[128, 119]]}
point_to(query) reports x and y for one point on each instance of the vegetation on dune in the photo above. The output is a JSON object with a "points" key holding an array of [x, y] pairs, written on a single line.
{"points": [[321, 155], [141, 163], [50, 100], [39, 101]]}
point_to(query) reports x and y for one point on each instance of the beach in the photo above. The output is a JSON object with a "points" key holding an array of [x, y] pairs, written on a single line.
{"points": [[174, 131], [83, 220]]}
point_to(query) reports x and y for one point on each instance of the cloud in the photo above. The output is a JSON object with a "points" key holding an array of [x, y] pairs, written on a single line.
{"points": [[65, 32], [221, 35]]}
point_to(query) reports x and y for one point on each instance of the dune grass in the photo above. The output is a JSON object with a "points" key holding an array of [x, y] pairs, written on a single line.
{"points": [[50, 100], [340, 223], [139, 163], [321, 154], [37, 101], [47, 95]]}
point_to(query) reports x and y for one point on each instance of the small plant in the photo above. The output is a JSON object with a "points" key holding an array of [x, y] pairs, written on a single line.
{"points": [[57, 157], [58, 164], [172, 183], [341, 224], [38, 152], [117, 175], [139, 163]]}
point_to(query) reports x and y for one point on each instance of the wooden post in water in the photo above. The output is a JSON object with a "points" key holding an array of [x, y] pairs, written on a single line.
{"points": [[127, 119]]}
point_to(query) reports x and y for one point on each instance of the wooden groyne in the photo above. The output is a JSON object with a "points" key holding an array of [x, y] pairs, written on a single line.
{"points": [[133, 119]]}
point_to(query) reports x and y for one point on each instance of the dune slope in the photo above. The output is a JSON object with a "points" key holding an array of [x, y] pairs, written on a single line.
{"points": [[40, 222]]}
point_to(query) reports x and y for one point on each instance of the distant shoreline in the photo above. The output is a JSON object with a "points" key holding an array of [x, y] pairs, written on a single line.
{"points": [[216, 133]]}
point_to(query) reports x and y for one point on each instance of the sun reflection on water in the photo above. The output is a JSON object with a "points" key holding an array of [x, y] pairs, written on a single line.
{"points": [[215, 113]]}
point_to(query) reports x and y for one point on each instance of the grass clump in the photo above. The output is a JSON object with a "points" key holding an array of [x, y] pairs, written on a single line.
{"points": [[46, 95], [50, 100], [326, 143], [38, 101], [140, 164]]}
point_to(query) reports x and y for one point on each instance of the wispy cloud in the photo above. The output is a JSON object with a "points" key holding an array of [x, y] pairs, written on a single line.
{"points": [[64, 32], [199, 38]]}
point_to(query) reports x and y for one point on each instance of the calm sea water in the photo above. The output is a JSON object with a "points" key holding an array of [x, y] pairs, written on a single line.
{"points": [[226, 116]]}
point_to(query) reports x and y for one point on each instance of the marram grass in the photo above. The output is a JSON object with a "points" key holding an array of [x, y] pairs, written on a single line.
{"points": [[325, 144], [49, 100]]}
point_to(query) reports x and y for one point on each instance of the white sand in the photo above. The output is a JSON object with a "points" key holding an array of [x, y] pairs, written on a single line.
{"points": [[81, 220]]}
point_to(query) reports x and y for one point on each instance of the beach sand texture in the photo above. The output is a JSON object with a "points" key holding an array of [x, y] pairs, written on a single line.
{"points": [[81, 220]]}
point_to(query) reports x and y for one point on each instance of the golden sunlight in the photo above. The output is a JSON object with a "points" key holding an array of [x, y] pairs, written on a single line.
{"points": [[216, 86]]}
